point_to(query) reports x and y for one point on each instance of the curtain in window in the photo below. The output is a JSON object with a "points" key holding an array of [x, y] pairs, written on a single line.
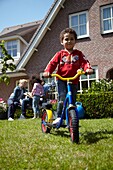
{"points": [[107, 19]]}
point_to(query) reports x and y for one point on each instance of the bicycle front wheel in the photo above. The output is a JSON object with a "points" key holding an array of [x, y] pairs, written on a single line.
{"points": [[74, 126]]}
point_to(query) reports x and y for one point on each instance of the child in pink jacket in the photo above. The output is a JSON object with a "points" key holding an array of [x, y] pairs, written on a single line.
{"points": [[37, 92]]}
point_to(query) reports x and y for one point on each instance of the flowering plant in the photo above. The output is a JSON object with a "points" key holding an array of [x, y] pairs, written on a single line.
{"points": [[3, 105], [54, 104]]}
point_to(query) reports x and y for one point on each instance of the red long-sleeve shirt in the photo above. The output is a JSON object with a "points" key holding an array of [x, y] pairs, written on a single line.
{"points": [[67, 64]]}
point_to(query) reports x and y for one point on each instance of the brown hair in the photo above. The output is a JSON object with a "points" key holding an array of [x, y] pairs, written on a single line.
{"points": [[68, 30]]}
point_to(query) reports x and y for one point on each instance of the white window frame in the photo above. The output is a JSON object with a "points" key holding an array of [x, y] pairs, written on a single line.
{"points": [[106, 19], [1, 55], [18, 49], [88, 79], [87, 24]]}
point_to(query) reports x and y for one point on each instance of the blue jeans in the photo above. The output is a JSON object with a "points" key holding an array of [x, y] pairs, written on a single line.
{"points": [[12, 105], [35, 104], [25, 103], [62, 91]]}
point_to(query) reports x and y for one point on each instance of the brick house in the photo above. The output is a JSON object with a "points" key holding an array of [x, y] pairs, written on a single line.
{"points": [[92, 21]]}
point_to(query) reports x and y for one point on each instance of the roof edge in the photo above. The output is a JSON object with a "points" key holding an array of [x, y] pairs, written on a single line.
{"points": [[39, 34]]}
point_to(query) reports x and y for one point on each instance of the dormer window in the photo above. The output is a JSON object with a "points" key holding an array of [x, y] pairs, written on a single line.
{"points": [[13, 48]]}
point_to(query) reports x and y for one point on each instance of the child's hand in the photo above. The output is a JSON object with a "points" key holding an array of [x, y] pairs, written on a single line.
{"points": [[89, 71], [30, 94], [20, 101], [46, 74], [79, 70]]}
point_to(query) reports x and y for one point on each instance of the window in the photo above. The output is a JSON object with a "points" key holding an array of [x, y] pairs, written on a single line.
{"points": [[107, 19], [52, 86], [1, 55], [13, 48], [79, 22], [85, 81]]}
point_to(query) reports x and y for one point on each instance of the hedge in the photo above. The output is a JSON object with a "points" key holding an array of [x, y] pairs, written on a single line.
{"points": [[97, 105]]}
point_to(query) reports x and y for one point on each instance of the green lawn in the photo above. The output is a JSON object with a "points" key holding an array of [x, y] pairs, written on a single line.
{"points": [[24, 146]]}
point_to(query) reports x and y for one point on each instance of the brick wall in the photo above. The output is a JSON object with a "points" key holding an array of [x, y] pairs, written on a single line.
{"points": [[97, 48]]}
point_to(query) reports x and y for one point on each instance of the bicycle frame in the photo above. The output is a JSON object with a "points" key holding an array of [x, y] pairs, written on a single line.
{"points": [[67, 102], [68, 99]]}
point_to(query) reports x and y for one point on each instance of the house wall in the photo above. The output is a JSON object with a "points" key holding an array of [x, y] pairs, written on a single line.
{"points": [[97, 48], [6, 90]]}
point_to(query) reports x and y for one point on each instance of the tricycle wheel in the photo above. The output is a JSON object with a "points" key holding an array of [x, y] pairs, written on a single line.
{"points": [[44, 127], [74, 126]]}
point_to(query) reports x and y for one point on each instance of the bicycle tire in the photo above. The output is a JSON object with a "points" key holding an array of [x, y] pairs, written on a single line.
{"points": [[45, 129], [73, 126]]}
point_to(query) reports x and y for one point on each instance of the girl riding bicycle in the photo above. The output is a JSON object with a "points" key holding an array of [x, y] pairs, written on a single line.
{"points": [[67, 62]]}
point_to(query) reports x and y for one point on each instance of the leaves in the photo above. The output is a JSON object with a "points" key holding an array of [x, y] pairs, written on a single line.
{"points": [[97, 105], [104, 85], [7, 64]]}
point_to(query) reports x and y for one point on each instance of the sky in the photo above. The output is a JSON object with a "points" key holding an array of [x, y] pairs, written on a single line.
{"points": [[17, 12]]}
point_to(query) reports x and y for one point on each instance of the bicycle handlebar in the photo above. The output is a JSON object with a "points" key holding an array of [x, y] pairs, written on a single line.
{"points": [[80, 72]]}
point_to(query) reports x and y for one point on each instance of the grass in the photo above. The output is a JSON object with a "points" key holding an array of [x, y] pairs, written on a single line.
{"points": [[24, 146]]}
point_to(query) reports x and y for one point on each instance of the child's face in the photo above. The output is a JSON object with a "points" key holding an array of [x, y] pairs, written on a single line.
{"points": [[68, 41]]}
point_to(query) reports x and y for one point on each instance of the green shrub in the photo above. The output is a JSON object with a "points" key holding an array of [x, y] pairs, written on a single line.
{"points": [[97, 105], [3, 113], [104, 85], [98, 100], [29, 113]]}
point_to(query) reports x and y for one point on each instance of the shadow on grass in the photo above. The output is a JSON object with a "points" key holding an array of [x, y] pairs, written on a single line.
{"points": [[94, 137], [61, 132], [88, 137]]}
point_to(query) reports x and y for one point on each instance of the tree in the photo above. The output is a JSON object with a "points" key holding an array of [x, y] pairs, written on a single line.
{"points": [[7, 64]]}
